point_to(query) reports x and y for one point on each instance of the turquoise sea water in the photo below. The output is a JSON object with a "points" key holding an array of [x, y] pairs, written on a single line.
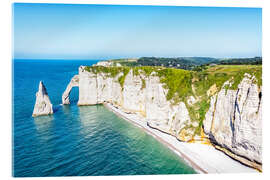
{"points": [[77, 141]]}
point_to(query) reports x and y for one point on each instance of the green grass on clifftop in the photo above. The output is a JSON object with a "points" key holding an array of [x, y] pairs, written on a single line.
{"points": [[179, 82], [221, 73], [183, 83]]}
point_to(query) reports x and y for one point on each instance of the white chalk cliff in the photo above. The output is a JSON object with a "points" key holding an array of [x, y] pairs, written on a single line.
{"points": [[232, 123], [43, 104], [150, 101]]}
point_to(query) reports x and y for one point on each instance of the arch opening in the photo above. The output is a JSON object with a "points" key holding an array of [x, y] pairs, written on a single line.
{"points": [[74, 82]]}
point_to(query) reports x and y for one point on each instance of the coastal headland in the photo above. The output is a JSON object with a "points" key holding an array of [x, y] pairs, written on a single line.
{"points": [[212, 118]]}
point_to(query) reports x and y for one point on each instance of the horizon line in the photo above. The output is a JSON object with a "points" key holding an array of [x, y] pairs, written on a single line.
{"points": [[133, 58]]}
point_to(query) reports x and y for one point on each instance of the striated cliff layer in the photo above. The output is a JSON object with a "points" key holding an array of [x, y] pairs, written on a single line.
{"points": [[229, 117]]}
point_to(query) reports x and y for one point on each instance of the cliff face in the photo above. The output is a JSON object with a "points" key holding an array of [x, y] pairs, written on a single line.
{"points": [[232, 121], [43, 105], [140, 94]]}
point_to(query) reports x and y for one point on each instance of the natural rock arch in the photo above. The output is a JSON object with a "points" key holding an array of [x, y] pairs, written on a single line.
{"points": [[74, 82]]}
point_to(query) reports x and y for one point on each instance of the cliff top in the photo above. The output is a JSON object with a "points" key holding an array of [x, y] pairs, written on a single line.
{"points": [[213, 74]]}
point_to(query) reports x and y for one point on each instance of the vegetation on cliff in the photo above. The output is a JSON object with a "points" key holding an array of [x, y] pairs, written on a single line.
{"points": [[110, 72], [182, 84], [179, 82], [221, 73], [214, 78]]}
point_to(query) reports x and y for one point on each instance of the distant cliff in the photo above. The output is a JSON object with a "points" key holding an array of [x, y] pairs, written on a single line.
{"points": [[222, 104]]}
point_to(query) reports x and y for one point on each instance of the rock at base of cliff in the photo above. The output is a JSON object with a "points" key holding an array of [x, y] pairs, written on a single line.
{"points": [[43, 105]]}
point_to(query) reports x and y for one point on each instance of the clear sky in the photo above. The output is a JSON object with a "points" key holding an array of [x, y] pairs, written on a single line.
{"points": [[59, 31]]}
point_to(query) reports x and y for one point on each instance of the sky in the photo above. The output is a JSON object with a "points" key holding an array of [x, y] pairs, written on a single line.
{"points": [[65, 31]]}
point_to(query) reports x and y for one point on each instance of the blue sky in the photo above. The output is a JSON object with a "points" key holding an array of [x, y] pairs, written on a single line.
{"points": [[61, 31]]}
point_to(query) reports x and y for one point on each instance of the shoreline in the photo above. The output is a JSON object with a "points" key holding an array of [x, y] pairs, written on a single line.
{"points": [[202, 158]]}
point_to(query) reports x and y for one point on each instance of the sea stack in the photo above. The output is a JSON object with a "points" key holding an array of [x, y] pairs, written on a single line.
{"points": [[43, 104]]}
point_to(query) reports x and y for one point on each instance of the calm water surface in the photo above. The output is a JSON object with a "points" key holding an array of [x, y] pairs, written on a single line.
{"points": [[77, 141]]}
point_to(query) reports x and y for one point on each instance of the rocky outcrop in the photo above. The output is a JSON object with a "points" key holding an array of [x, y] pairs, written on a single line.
{"points": [[108, 64], [234, 121], [43, 104], [73, 83], [104, 63]]}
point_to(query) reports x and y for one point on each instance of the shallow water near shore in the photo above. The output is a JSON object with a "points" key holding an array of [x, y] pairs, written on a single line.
{"points": [[78, 141]]}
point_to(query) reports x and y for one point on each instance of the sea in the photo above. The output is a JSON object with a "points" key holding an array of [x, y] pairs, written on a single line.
{"points": [[77, 140]]}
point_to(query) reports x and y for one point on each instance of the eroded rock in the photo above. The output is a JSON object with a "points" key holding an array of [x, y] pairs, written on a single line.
{"points": [[43, 104], [73, 83]]}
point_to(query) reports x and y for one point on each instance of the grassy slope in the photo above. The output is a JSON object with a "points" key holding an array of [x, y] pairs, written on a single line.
{"points": [[218, 75], [180, 82]]}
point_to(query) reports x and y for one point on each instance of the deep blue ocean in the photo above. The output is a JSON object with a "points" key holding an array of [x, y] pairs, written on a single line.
{"points": [[77, 141]]}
